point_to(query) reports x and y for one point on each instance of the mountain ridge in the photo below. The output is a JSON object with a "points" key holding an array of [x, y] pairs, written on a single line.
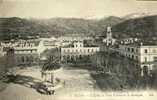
{"points": [[122, 28], [55, 26]]}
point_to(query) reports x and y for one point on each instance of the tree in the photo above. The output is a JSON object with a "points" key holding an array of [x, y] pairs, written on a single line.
{"points": [[2, 65], [10, 59], [52, 64]]}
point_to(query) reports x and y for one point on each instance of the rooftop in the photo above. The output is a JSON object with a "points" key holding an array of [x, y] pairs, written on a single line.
{"points": [[28, 43], [143, 43]]}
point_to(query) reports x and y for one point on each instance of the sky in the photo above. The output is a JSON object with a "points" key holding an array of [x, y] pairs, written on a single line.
{"points": [[74, 8]]}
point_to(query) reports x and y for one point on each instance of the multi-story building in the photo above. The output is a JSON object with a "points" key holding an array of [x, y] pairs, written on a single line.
{"points": [[77, 51], [5, 45], [144, 55], [49, 43], [74, 37], [27, 52]]}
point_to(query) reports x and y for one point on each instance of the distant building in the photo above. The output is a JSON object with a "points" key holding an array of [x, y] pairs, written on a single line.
{"points": [[49, 43], [1, 50], [144, 55], [129, 40], [74, 37], [77, 51], [27, 52], [109, 40], [5, 45]]}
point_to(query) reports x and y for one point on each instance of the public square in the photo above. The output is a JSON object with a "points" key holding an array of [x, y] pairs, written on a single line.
{"points": [[77, 82]]}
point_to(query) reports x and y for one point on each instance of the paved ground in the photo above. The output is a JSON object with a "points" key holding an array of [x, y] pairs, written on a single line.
{"points": [[76, 81]]}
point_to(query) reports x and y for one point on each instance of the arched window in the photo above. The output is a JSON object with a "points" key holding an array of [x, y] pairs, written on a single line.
{"points": [[23, 59], [31, 59], [145, 70], [27, 58], [88, 50], [145, 59], [80, 57], [145, 51]]}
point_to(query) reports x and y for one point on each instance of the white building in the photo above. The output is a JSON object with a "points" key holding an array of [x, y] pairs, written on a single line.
{"points": [[144, 55], [129, 40], [49, 43], [109, 40], [28, 52], [77, 50], [1, 50], [5, 45], [74, 37]]}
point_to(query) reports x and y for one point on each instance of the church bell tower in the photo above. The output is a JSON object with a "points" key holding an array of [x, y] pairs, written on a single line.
{"points": [[109, 32]]}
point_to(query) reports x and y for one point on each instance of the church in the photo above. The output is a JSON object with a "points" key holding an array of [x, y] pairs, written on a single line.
{"points": [[109, 40]]}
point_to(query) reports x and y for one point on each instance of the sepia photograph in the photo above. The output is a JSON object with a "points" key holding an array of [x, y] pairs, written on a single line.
{"points": [[78, 49]]}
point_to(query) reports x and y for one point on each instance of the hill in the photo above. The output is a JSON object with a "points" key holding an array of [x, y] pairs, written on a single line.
{"points": [[13, 27], [143, 27]]}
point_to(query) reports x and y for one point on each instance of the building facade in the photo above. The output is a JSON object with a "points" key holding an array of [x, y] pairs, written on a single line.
{"points": [[27, 52], [74, 37], [49, 43], [77, 51], [144, 55], [129, 40]]}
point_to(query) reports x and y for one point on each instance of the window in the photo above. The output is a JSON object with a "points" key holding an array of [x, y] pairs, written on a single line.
{"points": [[155, 58], [132, 49], [84, 50], [136, 57], [132, 56], [136, 50], [92, 50], [125, 48], [145, 59], [88, 50], [129, 49], [80, 57], [145, 51], [154, 51], [23, 59], [27, 59]]}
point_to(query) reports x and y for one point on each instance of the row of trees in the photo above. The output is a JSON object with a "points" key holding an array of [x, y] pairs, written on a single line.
{"points": [[126, 70]]}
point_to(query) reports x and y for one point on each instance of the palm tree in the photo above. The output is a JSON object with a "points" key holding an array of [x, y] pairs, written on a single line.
{"points": [[52, 64]]}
